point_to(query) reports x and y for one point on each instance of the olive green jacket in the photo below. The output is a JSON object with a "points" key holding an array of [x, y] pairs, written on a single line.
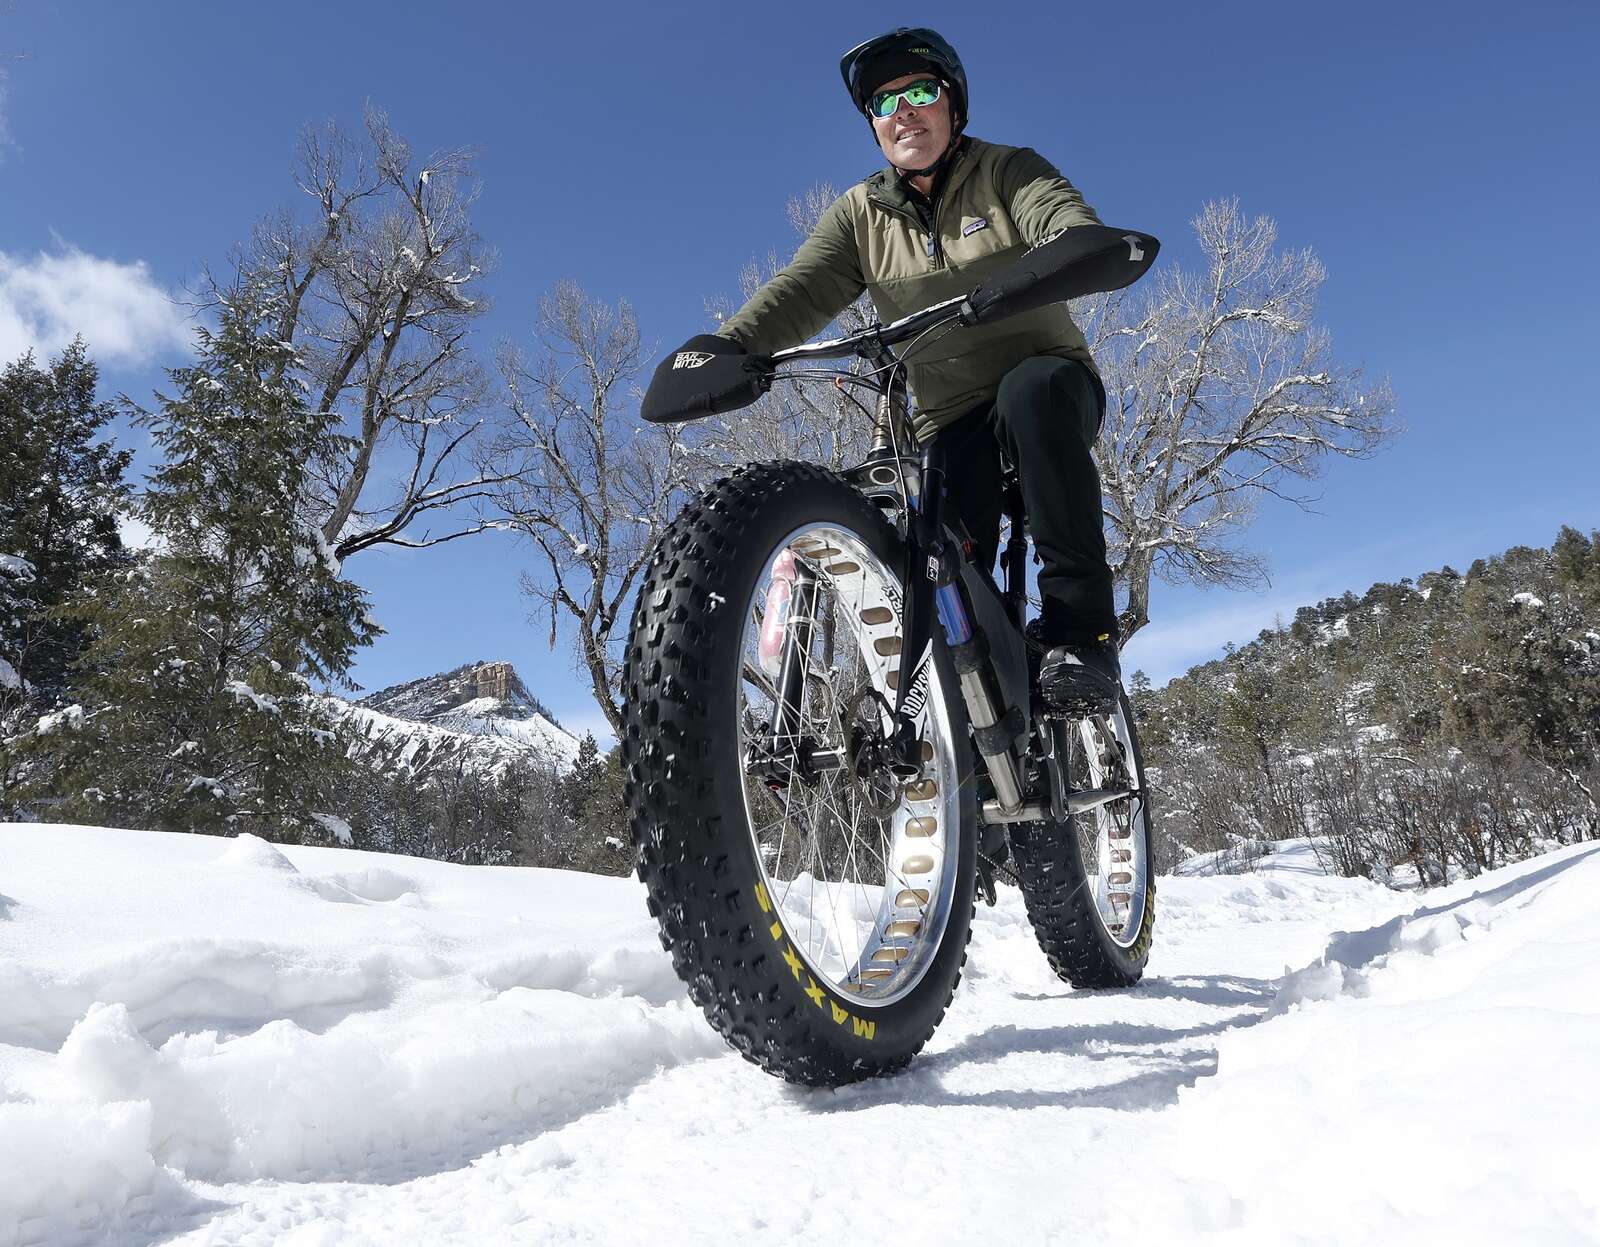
{"points": [[994, 203]]}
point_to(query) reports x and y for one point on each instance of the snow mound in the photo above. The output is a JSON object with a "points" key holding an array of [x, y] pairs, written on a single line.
{"points": [[72, 1169], [227, 986], [1430, 1079], [179, 1009], [287, 1103], [253, 853], [1462, 913], [1277, 857]]}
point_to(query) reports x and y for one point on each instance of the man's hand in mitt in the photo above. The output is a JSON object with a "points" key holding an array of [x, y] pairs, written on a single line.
{"points": [[707, 375]]}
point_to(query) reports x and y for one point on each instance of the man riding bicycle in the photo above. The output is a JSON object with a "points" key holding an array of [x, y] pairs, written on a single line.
{"points": [[815, 792], [950, 210]]}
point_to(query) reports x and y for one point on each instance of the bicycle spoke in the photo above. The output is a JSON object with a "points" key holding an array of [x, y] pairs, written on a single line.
{"points": [[849, 836]]}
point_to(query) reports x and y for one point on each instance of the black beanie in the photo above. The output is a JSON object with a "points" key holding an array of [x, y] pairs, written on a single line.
{"points": [[892, 65]]}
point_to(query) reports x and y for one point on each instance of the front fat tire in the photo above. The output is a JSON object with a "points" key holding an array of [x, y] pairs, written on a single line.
{"points": [[1058, 895], [684, 789]]}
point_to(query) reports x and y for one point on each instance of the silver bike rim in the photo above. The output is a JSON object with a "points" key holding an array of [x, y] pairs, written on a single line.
{"points": [[1112, 841], [862, 877]]}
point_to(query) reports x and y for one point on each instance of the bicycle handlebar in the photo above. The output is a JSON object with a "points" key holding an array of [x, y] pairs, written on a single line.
{"points": [[902, 330], [1086, 259]]}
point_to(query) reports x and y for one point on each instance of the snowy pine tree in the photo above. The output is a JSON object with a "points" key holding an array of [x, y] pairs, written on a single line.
{"points": [[591, 793], [61, 490], [196, 705]]}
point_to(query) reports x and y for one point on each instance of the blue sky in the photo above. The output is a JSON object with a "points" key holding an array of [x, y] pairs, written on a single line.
{"points": [[1439, 158]]}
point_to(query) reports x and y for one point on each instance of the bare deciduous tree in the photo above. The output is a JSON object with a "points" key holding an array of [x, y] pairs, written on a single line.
{"points": [[1220, 391], [586, 482], [379, 295]]}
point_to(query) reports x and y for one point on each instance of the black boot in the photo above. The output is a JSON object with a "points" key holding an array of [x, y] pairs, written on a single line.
{"points": [[1078, 678]]}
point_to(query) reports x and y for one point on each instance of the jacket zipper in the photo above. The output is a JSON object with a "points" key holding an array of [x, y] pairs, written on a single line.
{"points": [[931, 247], [935, 248], [934, 251]]}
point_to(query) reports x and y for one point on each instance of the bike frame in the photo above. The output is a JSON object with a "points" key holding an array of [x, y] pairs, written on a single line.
{"points": [[980, 624]]}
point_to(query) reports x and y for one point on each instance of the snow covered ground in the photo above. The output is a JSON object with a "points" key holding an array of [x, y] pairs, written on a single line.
{"points": [[209, 1041]]}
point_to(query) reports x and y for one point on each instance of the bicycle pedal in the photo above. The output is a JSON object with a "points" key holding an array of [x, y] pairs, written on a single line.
{"points": [[1077, 710]]}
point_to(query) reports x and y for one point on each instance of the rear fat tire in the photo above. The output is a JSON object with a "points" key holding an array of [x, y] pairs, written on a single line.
{"points": [[1057, 892], [684, 788]]}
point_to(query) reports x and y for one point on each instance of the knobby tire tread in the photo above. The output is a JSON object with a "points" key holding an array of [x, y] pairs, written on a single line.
{"points": [[1062, 911], [693, 865]]}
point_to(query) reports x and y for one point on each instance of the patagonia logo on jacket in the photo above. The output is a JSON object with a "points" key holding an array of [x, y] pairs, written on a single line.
{"points": [[972, 227]]}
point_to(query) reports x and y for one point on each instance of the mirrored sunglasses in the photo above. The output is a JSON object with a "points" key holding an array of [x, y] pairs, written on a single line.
{"points": [[918, 94]]}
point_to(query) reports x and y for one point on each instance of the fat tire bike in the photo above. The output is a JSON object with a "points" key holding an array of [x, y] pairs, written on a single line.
{"points": [[833, 741]]}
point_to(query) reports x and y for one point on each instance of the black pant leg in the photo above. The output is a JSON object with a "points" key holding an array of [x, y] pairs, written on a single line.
{"points": [[1047, 415], [973, 480]]}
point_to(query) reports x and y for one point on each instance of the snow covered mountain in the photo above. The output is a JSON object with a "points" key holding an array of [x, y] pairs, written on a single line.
{"points": [[213, 1041], [481, 712]]}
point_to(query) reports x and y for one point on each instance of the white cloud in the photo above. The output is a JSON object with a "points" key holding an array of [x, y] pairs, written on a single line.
{"points": [[119, 309]]}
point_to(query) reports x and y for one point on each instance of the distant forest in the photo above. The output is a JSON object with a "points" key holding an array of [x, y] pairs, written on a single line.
{"points": [[1423, 730]]}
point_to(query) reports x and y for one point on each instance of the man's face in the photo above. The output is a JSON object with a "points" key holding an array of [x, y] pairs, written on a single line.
{"points": [[913, 138]]}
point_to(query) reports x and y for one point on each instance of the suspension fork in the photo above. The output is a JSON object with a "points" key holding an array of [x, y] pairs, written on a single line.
{"points": [[792, 672], [890, 427], [924, 574]]}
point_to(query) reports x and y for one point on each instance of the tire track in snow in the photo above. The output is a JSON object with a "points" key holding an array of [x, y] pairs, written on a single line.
{"points": [[1023, 1066]]}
